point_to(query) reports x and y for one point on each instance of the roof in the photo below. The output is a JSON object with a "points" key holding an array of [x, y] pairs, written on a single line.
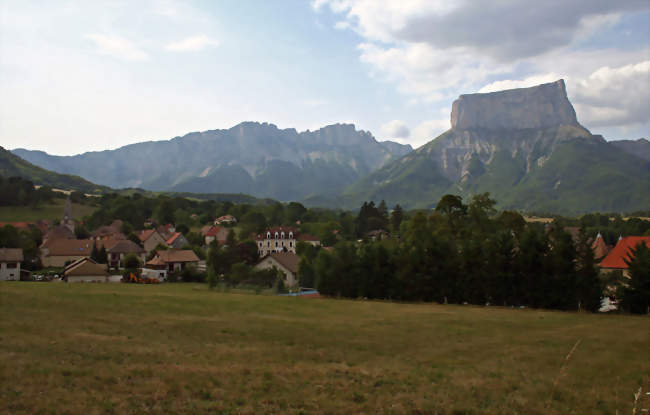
{"points": [[59, 232], [214, 231], [279, 230], [599, 247], [146, 234], [85, 266], [70, 247], [617, 256], [205, 229], [113, 228], [173, 238], [175, 255], [17, 225], [11, 255], [225, 218], [288, 260], [307, 237], [125, 246]]}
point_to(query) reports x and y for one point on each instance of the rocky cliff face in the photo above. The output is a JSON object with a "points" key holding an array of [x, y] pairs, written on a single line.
{"points": [[525, 147], [542, 106], [525, 123]]}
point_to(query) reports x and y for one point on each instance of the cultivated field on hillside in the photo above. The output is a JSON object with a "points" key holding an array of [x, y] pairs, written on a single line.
{"points": [[179, 348], [51, 211]]}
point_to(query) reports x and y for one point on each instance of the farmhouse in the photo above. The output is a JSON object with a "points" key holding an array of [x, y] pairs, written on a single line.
{"points": [[85, 270], [57, 252], [10, 259], [286, 262], [118, 249], [173, 260], [615, 259]]}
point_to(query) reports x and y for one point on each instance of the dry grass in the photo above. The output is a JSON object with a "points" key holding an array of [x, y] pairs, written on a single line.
{"points": [[178, 348]]}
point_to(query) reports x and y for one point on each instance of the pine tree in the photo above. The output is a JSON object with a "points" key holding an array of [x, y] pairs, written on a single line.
{"points": [[636, 297], [589, 287], [396, 217]]}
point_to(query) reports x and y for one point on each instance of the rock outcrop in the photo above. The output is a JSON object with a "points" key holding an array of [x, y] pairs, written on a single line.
{"points": [[542, 106]]}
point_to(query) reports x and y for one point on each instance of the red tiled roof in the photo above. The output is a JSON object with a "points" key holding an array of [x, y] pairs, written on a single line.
{"points": [[173, 238], [146, 234], [17, 225], [617, 256], [213, 231]]}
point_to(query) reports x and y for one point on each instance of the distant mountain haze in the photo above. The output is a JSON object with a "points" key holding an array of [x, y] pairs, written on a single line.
{"points": [[254, 158], [524, 146]]}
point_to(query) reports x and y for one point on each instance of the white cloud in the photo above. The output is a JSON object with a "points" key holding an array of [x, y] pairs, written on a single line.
{"points": [[192, 44], [395, 129], [614, 96], [523, 83], [342, 25], [118, 47], [428, 130], [434, 50]]}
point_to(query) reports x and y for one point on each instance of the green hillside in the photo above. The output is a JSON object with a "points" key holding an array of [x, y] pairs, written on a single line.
{"points": [[12, 165], [572, 176]]}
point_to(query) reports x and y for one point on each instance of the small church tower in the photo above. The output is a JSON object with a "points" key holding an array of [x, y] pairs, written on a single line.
{"points": [[67, 219]]}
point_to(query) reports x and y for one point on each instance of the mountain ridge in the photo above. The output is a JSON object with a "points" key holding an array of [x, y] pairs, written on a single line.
{"points": [[338, 152]]}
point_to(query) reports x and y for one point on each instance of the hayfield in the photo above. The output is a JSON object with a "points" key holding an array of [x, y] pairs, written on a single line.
{"points": [[180, 348]]}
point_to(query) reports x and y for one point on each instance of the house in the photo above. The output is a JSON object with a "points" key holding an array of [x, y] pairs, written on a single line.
{"points": [[58, 232], [10, 259], [112, 231], [85, 270], [116, 250], [225, 220], [166, 231], [58, 252], [286, 262], [218, 233], [150, 239], [280, 239], [177, 241], [377, 235], [173, 260], [615, 259]]}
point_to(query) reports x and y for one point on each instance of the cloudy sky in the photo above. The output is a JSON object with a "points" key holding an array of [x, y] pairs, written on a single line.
{"points": [[77, 76]]}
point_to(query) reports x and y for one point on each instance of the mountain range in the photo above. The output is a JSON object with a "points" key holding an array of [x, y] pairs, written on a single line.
{"points": [[252, 158], [525, 146]]}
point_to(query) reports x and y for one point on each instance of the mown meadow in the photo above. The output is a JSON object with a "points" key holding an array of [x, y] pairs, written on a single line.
{"points": [[181, 348]]}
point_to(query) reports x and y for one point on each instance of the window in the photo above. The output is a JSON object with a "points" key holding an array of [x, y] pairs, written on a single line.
{"points": [[268, 243], [276, 244], [268, 235], [12, 264], [260, 244], [290, 244], [282, 235], [276, 235], [290, 235]]}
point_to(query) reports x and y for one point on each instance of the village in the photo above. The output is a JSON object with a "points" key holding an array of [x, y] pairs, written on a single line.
{"points": [[159, 253]]}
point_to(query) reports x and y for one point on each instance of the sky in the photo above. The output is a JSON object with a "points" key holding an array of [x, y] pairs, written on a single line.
{"points": [[80, 76]]}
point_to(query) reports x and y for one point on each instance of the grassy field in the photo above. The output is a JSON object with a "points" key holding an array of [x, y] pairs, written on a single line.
{"points": [[52, 211], [179, 348]]}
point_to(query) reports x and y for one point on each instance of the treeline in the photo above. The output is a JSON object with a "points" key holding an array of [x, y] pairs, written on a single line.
{"points": [[610, 225], [463, 254], [16, 191]]}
